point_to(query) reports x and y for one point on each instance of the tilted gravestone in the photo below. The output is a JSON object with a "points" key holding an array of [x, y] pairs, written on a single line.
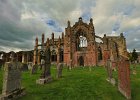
{"points": [[59, 70], [124, 78], [109, 72], [12, 81]]}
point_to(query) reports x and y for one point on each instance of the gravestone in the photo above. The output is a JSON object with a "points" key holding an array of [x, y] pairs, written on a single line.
{"points": [[90, 68], [134, 68], [46, 65], [12, 81], [109, 72], [59, 70], [69, 67], [42, 63], [34, 69], [24, 67], [124, 77], [30, 64]]}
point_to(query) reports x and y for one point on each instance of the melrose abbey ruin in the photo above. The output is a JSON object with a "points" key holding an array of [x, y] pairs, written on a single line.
{"points": [[78, 46]]}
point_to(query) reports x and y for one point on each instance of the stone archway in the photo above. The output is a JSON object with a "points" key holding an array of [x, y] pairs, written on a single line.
{"points": [[81, 61]]}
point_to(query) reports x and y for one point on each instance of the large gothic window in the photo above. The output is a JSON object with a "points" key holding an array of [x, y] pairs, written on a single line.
{"points": [[83, 41]]}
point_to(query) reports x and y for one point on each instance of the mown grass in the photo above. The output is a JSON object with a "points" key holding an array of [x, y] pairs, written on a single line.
{"points": [[77, 84]]}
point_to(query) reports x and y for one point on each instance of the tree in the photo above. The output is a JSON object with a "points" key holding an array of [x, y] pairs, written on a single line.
{"points": [[134, 56]]}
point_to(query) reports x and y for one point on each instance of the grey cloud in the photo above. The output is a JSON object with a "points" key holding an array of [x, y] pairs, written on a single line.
{"points": [[108, 15]]}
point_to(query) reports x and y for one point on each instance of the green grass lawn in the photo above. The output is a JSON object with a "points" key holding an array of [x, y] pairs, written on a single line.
{"points": [[77, 84]]}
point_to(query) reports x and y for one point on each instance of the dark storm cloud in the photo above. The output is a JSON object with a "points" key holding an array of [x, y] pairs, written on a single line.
{"points": [[15, 33], [22, 20]]}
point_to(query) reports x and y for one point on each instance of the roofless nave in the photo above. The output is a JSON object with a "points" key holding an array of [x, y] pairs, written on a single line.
{"points": [[78, 46]]}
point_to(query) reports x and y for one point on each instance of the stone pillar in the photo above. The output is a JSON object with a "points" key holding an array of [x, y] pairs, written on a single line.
{"points": [[62, 37], [53, 38], [58, 53], [35, 52], [106, 56], [43, 37], [24, 57], [46, 64], [39, 59], [58, 56]]}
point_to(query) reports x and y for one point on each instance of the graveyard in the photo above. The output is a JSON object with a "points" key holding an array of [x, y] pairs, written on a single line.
{"points": [[73, 66], [69, 50], [78, 83]]}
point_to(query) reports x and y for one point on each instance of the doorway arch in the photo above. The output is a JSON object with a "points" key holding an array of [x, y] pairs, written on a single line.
{"points": [[81, 61]]}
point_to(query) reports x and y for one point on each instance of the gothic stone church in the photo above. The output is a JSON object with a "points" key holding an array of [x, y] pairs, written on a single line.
{"points": [[78, 46]]}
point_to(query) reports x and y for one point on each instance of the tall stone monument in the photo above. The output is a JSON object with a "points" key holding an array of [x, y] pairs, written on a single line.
{"points": [[46, 64], [59, 70], [12, 80]]}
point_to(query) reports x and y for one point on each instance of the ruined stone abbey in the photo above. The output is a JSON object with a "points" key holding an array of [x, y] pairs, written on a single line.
{"points": [[78, 46]]}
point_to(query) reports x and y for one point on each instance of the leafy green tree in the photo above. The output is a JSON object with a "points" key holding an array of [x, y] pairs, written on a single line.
{"points": [[134, 56]]}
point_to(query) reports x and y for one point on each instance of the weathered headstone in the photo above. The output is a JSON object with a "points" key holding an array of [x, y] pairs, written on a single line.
{"points": [[124, 78], [24, 67], [134, 69], [30, 64], [34, 69], [69, 66], [59, 70], [109, 72], [90, 68], [12, 81], [46, 73]]}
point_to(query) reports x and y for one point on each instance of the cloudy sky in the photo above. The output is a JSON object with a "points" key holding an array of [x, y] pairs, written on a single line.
{"points": [[22, 20]]}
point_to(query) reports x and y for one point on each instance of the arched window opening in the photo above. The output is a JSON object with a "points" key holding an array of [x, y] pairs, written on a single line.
{"points": [[83, 41]]}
